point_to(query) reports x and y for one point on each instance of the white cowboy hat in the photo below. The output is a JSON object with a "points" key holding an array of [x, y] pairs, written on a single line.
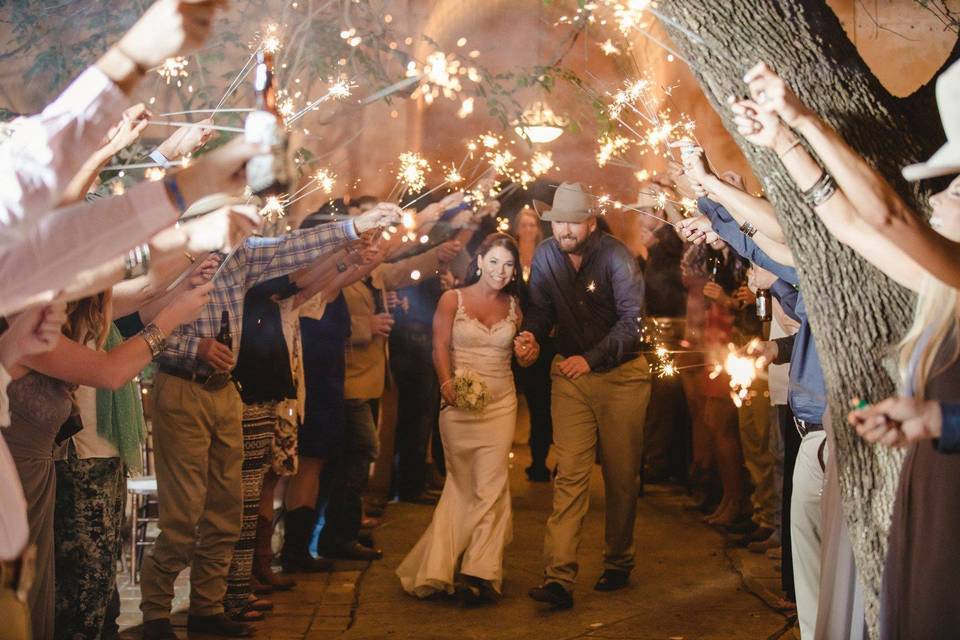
{"points": [[947, 159], [570, 204]]}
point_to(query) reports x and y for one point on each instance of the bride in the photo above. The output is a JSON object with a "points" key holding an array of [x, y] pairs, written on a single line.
{"points": [[473, 332]]}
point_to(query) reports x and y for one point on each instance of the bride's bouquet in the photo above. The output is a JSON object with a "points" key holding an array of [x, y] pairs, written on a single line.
{"points": [[472, 392]]}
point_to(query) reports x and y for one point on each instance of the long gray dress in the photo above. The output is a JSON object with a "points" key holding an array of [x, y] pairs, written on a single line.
{"points": [[38, 407], [919, 598]]}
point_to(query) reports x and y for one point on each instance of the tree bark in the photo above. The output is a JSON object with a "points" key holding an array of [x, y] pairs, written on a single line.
{"points": [[856, 313]]}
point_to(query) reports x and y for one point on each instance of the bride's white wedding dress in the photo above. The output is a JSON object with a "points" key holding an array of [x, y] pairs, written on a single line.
{"points": [[472, 523]]}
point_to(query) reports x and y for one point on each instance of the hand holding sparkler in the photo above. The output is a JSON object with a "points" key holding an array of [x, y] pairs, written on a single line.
{"points": [[695, 169], [759, 127], [124, 133], [186, 140], [220, 171], [898, 421], [772, 95], [697, 230], [167, 29], [221, 230], [764, 351], [381, 216]]}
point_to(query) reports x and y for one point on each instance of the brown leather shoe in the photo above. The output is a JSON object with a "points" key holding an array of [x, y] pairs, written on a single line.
{"points": [[219, 625], [159, 630]]}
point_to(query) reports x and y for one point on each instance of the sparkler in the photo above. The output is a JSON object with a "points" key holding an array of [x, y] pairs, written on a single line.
{"points": [[174, 69], [440, 75], [742, 370], [155, 174], [338, 90], [413, 170], [273, 209], [541, 163]]}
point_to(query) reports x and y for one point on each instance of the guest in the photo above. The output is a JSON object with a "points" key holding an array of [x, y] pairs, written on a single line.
{"points": [[917, 582], [534, 381], [31, 332], [263, 376], [197, 430], [366, 358], [40, 403]]}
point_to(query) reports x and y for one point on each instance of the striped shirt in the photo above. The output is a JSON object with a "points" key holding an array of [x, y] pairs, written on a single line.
{"points": [[259, 259]]}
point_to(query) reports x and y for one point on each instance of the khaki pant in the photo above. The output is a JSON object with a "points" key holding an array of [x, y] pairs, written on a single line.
{"points": [[806, 529], [199, 455], [757, 456], [609, 408]]}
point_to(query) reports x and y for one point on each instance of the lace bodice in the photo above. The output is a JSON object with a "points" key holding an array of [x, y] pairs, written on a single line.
{"points": [[477, 347]]}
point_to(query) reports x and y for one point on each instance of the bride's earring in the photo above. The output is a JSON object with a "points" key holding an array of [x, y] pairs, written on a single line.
{"points": [[479, 272]]}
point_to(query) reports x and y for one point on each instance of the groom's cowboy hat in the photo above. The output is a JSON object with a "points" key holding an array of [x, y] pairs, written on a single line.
{"points": [[947, 159], [570, 204]]}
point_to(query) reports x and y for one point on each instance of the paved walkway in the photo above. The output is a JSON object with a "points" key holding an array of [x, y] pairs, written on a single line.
{"points": [[686, 584]]}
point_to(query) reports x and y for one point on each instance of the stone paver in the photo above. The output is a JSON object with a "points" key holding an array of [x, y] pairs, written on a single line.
{"points": [[686, 584]]}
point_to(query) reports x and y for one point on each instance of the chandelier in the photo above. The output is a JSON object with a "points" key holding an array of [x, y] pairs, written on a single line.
{"points": [[540, 124]]}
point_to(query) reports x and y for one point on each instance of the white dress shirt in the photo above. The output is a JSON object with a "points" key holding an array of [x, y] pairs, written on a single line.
{"points": [[51, 252], [40, 154]]}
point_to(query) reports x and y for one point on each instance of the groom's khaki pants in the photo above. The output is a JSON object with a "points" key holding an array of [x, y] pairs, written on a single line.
{"points": [[609, 408]]}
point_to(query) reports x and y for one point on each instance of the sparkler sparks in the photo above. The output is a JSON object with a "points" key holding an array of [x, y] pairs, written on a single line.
{"points": [[325, 179], [453, 176], [742, 370], [154, 174], [440, 75], [273, 209], [611, 146], [174, 69], [609, 49], [271, 42], [413, 170], [541, 163]]}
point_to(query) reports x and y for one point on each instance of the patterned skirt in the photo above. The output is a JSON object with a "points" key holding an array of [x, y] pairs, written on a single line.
{"points": [[259, 423]]}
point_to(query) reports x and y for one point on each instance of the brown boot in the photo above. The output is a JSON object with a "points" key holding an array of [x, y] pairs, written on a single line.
{"points": [[263, 558]]}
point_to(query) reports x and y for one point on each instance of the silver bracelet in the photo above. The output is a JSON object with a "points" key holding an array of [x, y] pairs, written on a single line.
{"points": [[748, 229], [824, 193], [137, 262], [154, 338]]}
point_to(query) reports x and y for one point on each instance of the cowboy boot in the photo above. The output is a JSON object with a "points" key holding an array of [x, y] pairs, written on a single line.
{"points": [[295, 557], [263, 572]]}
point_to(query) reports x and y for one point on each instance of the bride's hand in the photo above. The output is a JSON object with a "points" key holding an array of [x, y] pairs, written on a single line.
{"points": [[448, 393], [526, 349]]}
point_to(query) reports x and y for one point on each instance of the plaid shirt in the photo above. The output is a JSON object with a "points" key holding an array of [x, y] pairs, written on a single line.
{"points": [[259, 259]]}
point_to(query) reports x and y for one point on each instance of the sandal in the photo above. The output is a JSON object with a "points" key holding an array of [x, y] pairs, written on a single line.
{"points": [[247, 615], [259, 604]]}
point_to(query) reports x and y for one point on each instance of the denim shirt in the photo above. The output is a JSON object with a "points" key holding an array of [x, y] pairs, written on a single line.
{"points": [[949, 441], [807, 395]]}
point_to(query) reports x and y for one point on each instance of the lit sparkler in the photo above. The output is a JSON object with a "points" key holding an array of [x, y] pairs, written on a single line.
{"points": [[174, 69], [154, 174], [742, 370], [273, 209], [453, 176], [610, 146], [541, 163], [440, 75], [413, 170]]}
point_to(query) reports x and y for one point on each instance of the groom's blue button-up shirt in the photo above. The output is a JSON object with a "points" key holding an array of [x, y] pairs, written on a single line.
{"points": [[597, 309]]}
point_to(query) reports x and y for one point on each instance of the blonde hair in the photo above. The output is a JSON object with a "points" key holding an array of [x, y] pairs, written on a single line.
{"points": [[89, 319], [528, 211], [935, 320]]}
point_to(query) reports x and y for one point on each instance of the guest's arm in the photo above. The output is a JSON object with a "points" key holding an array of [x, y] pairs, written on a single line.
{"points": [[871, 201]]}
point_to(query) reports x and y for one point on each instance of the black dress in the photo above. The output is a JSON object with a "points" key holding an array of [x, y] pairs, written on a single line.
{"points": [[324, 367]]}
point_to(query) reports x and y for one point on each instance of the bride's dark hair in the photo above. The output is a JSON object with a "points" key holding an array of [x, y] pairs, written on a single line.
{"points": [[516, 285]]}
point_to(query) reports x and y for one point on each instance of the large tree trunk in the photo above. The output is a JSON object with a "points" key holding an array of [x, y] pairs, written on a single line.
{"points": [[856, 313]]}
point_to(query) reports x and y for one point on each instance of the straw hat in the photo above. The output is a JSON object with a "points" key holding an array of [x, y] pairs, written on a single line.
{"points": [[947, 159], [570, 204]]}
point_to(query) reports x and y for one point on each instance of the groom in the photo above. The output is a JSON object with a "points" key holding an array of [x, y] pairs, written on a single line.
{"points": [[587, 284]]}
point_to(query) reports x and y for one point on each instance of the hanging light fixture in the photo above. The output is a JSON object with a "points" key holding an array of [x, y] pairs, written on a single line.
{"points": [[540, 124]]}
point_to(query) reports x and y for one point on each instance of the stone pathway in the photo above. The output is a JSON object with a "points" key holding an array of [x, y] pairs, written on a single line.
{"points": [[686, 584]]}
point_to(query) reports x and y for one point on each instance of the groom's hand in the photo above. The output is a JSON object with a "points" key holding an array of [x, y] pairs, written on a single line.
{"points": [[574, 367], [526, 348]]}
